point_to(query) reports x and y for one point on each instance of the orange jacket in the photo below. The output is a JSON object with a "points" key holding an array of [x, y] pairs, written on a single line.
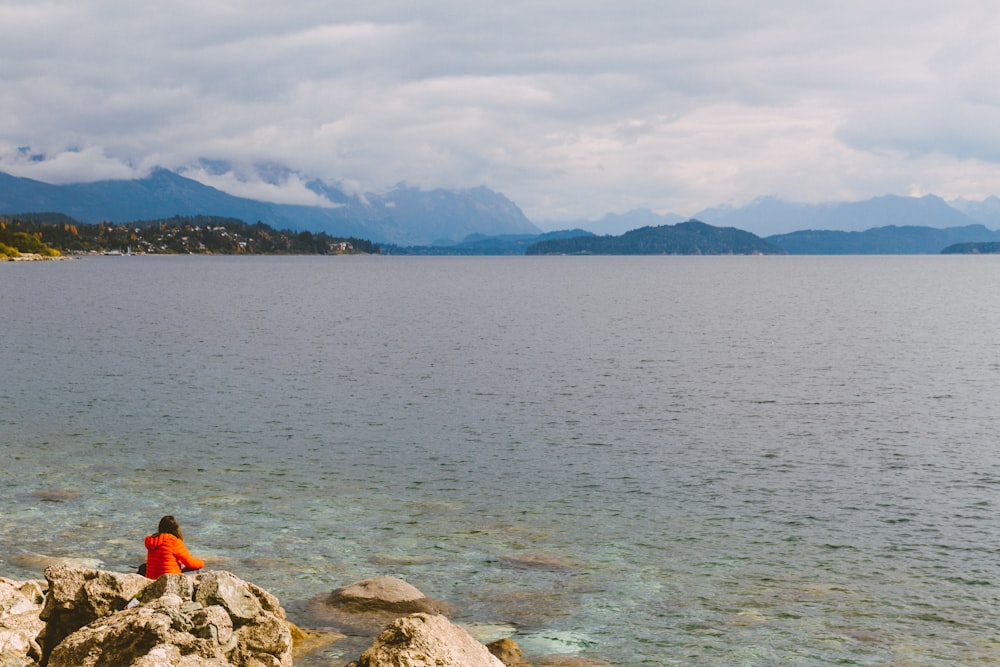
{"points": [[166, 554]]}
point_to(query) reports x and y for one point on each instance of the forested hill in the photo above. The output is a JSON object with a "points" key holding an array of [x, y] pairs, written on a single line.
{"points": [[888, 240], [981, 248], [200, 234], [685, 238]]}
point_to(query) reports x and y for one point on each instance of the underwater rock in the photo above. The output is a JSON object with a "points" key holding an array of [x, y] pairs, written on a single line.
{"points": [[571, 661], [369, 605], [508, 652], [306, 641], [383, 593], [38, 562]]}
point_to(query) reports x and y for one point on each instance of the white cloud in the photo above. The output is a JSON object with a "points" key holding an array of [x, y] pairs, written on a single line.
{"points": [[290, 190], [66, 166], [572, 109]]}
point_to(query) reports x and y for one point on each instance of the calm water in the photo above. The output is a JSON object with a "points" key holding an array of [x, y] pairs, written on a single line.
{"points": [[646, 461]]}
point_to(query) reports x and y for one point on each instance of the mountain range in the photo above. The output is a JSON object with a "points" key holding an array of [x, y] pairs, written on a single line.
{"points": [[770, 216], [402, 216], [482, 221]]}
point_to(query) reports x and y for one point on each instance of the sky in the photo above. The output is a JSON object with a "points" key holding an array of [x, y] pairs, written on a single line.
{"points": [[571, 108]]}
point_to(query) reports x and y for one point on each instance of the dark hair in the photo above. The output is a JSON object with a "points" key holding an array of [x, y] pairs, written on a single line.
{"points": [[168, 524]]}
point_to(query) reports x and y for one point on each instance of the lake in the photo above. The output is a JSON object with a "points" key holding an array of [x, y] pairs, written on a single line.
{"points": [[634, 460]]}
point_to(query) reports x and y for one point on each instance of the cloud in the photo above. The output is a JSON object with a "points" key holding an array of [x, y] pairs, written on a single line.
{"points": [[572, 109], [66, 166], [289, 189]]}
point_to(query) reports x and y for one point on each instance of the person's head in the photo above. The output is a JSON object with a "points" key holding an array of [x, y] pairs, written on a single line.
{"points": [[168, 524]]}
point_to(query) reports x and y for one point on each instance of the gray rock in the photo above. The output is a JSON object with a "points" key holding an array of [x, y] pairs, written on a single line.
{"points": [[20, 605], [425, 639], [227, 590], [381, 592], [150, 632], [77, 597], [209, 619]]}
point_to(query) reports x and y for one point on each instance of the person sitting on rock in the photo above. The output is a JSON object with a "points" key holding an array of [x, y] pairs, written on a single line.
{"points": [[166, 553]]}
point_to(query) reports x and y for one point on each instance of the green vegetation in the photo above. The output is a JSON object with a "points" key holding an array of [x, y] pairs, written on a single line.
{"points": [[684, 238], [889, 240], [981, 248], [55, 232], [15, 241]]}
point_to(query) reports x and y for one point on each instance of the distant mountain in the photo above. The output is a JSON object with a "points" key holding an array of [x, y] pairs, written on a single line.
{"points": [[770, 216], [685, 238], [890, 240], [619, 223], [987, 211], [403, 216]]}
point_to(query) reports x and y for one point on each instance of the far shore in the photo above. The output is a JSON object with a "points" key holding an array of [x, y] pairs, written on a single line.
{"points": [[34, 257]]}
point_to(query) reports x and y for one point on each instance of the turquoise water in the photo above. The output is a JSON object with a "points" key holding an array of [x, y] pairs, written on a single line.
{"points": [[645, 461]]}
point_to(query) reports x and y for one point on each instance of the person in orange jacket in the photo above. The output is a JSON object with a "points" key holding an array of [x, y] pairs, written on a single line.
{"points": [[166, 553]]}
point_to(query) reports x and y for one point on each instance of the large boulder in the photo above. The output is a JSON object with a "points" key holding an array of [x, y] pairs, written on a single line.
{"points": [[78, 596], [367, 606], [20, 606], [425, 640], [160, 632], [209, 619]]}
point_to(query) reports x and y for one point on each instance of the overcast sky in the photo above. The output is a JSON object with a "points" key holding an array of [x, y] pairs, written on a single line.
{"points": [[572, 108]]}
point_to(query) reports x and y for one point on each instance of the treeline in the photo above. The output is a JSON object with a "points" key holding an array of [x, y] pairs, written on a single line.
{"points": [[200, 234], [980, 248], [685, 238]]}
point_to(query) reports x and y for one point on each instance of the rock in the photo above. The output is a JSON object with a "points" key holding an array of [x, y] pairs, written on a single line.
{"points": [[20, 605], [508, 652], [55, 495], [13, 659], [306, 641], [369, 605], [154, 633], [383, 593], [539, 562], [226, 590], [204, 620], [571, 661], [427, 640], [38, 562], [77, 597], [182, 587]]}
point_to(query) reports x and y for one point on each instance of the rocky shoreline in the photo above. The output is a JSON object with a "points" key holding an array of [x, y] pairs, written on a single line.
{"points": [[79, 617]]}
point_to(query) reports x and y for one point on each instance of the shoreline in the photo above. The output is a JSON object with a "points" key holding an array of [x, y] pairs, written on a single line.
{"points": [[35, 257]]}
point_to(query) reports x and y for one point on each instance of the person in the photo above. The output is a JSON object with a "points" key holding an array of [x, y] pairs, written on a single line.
{"points": [[166, 553]]}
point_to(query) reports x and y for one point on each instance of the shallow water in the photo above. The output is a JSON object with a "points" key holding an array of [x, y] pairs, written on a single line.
{"points": [[647, 461]]}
